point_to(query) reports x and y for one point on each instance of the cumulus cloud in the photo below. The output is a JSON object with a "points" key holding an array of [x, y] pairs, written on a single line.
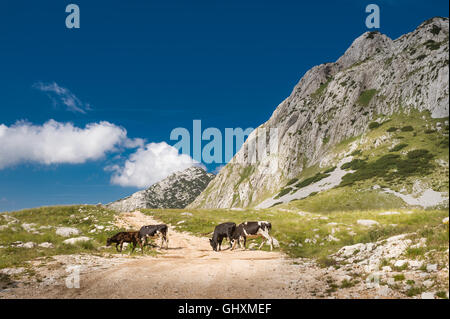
{"points": [[57, 143], [62, 96], [149, 165]]}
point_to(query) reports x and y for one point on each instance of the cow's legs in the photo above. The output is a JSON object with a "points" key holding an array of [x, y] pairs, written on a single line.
{"points": [[262, 243], [229, 235], [245, 242], [264, 233], [117, 247], [121, 245], [166, 239], [231, 241], [141, 246]]}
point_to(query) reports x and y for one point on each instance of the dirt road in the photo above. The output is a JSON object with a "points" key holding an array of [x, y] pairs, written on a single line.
{"points": [[189, 269]]}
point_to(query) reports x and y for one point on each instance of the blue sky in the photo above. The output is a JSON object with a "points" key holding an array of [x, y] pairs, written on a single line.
{"points": [[147, 67]]}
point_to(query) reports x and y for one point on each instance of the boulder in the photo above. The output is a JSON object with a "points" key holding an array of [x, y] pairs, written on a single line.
{"points": [[389, 213], [67, 231], [27, 245], [46, 245], [427, 295], [73, 241], [400, 263], [431, 267], [367, 222]]}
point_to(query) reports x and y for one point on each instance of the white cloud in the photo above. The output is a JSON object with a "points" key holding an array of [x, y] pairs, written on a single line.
{"points": [[149, 165], [60, 95], [56, 143]]}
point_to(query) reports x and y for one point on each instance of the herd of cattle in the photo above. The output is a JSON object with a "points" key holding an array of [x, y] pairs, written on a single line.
{"points": [[234, 234]]}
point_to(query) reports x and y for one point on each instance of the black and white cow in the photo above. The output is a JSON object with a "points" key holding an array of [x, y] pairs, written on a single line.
{"points": [[222, 231], [253, 230], [155, 231]]}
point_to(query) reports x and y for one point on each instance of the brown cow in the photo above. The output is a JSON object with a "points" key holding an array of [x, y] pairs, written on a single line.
{"points": [[125, 237]]}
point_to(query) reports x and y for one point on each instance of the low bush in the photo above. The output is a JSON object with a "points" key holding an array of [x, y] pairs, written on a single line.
{"points": [[374, 125], [398, 147]]}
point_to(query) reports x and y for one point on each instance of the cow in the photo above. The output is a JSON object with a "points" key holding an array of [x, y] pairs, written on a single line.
{"points": [[155, 231], [125, 237], [253, 230], [222, 231]]}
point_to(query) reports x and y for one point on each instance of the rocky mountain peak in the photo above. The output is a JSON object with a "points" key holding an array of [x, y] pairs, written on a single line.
{"points": [[175, 191], [365, 46]]}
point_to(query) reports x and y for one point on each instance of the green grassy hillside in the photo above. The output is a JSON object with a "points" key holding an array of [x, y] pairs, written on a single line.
{"points": [[39, 226]]}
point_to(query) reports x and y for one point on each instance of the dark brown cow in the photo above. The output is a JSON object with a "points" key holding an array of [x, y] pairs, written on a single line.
{"points": [[125, 237]]}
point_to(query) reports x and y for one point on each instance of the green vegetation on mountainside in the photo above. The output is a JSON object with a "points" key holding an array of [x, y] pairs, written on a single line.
{"points": [[390, 154]]}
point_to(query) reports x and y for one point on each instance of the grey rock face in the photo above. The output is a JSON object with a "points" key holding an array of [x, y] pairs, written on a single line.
{"points": [[176, 191], [336, 101]]}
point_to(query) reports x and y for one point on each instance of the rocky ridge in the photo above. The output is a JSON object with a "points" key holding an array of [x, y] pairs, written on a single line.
{"points": [[176, 191]]}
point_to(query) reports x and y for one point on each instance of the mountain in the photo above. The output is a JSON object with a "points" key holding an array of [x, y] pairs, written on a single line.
{"points": [[175, 191], [355, 109]]}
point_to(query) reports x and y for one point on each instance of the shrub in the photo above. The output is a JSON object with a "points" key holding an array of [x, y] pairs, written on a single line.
{"points": [[413, 291], [356, 153], [283, 192], [432, 45], [354, 164], [398, 147], [389, 167], [421, 57], [318, 93], [374, 125], [392, 129], [399, 277], [443, 143], [420, 153], [407, 128], [277, 203], [366, 96], [292, 181], [442, 294], [310, 180], [330, 170], [435, 29]]}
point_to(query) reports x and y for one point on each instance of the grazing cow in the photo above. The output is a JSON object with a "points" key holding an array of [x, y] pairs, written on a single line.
{"points": [[222, 231], [125, 237], [155, 231], [253, 230]]}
